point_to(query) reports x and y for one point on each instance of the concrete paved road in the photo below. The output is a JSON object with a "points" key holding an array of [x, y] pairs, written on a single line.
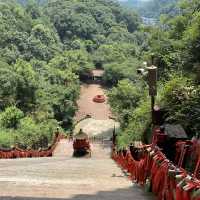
{"points": [[64, 177], [100, 111]]}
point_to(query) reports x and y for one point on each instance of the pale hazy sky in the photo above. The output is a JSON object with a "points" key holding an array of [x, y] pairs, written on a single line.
{"points": [[127, 0]]}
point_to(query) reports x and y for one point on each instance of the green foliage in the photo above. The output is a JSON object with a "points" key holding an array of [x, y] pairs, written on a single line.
{"points": [[76, 61], [175, 91], [8, 85], [174, 45], [32, 135], [119, 61], [28, 133], [139, 121], [19, 38], [133, 109], [57, 94], [91, 21], [175, 42], [37, 75], [123, 99], [117, 71], [46, 48], [27, 85], [11, 117], [115, 52], [7, 138], [180, 98]]}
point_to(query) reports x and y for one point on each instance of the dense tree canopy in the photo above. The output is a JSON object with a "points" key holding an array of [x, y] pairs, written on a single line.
{"points": [[47, 46], [174, 45]]}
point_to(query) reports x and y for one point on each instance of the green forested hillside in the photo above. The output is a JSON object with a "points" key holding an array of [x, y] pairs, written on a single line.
{"points": [[174, 45], [43, 51], [33, 90]]}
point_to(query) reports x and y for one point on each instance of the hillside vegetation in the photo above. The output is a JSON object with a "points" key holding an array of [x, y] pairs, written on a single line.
{"points": [[46, 48], [174, 45]]}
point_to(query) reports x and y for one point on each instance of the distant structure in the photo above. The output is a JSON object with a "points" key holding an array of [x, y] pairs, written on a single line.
{"points": [[97, 75], [149, 21]]}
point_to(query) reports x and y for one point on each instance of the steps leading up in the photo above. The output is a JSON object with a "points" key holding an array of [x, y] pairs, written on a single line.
{"points": [[63, 149], [62, 176]]}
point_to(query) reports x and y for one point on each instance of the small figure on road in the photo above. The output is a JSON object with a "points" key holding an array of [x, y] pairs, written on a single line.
{"points": [[70, 137], [57, 132]]}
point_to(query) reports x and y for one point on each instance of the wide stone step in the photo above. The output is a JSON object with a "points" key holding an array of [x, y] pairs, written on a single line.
{"points": [[96, 178]]}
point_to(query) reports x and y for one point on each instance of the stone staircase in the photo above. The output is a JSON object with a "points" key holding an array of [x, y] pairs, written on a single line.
{"points": [[67, 178]]}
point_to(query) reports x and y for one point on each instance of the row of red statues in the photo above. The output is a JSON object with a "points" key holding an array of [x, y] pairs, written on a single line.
{"points": [[20, 153], [158, 174]]}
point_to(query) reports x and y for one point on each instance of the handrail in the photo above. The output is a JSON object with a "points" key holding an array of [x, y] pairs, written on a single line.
{"points": [[160, 175], [16, 152]]}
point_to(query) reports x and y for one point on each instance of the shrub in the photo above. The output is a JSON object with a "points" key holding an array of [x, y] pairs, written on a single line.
{"points": [[137, 125], [7, 138], [124, 98], [33, 135], [181, 100], [11, 117]]}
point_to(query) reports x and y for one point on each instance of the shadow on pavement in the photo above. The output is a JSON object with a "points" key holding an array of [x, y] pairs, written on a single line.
{"points": [[131, 193]]}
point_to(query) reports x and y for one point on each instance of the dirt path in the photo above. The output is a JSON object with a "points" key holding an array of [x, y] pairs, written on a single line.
{"points": [[67, 178], [100, 111]]}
